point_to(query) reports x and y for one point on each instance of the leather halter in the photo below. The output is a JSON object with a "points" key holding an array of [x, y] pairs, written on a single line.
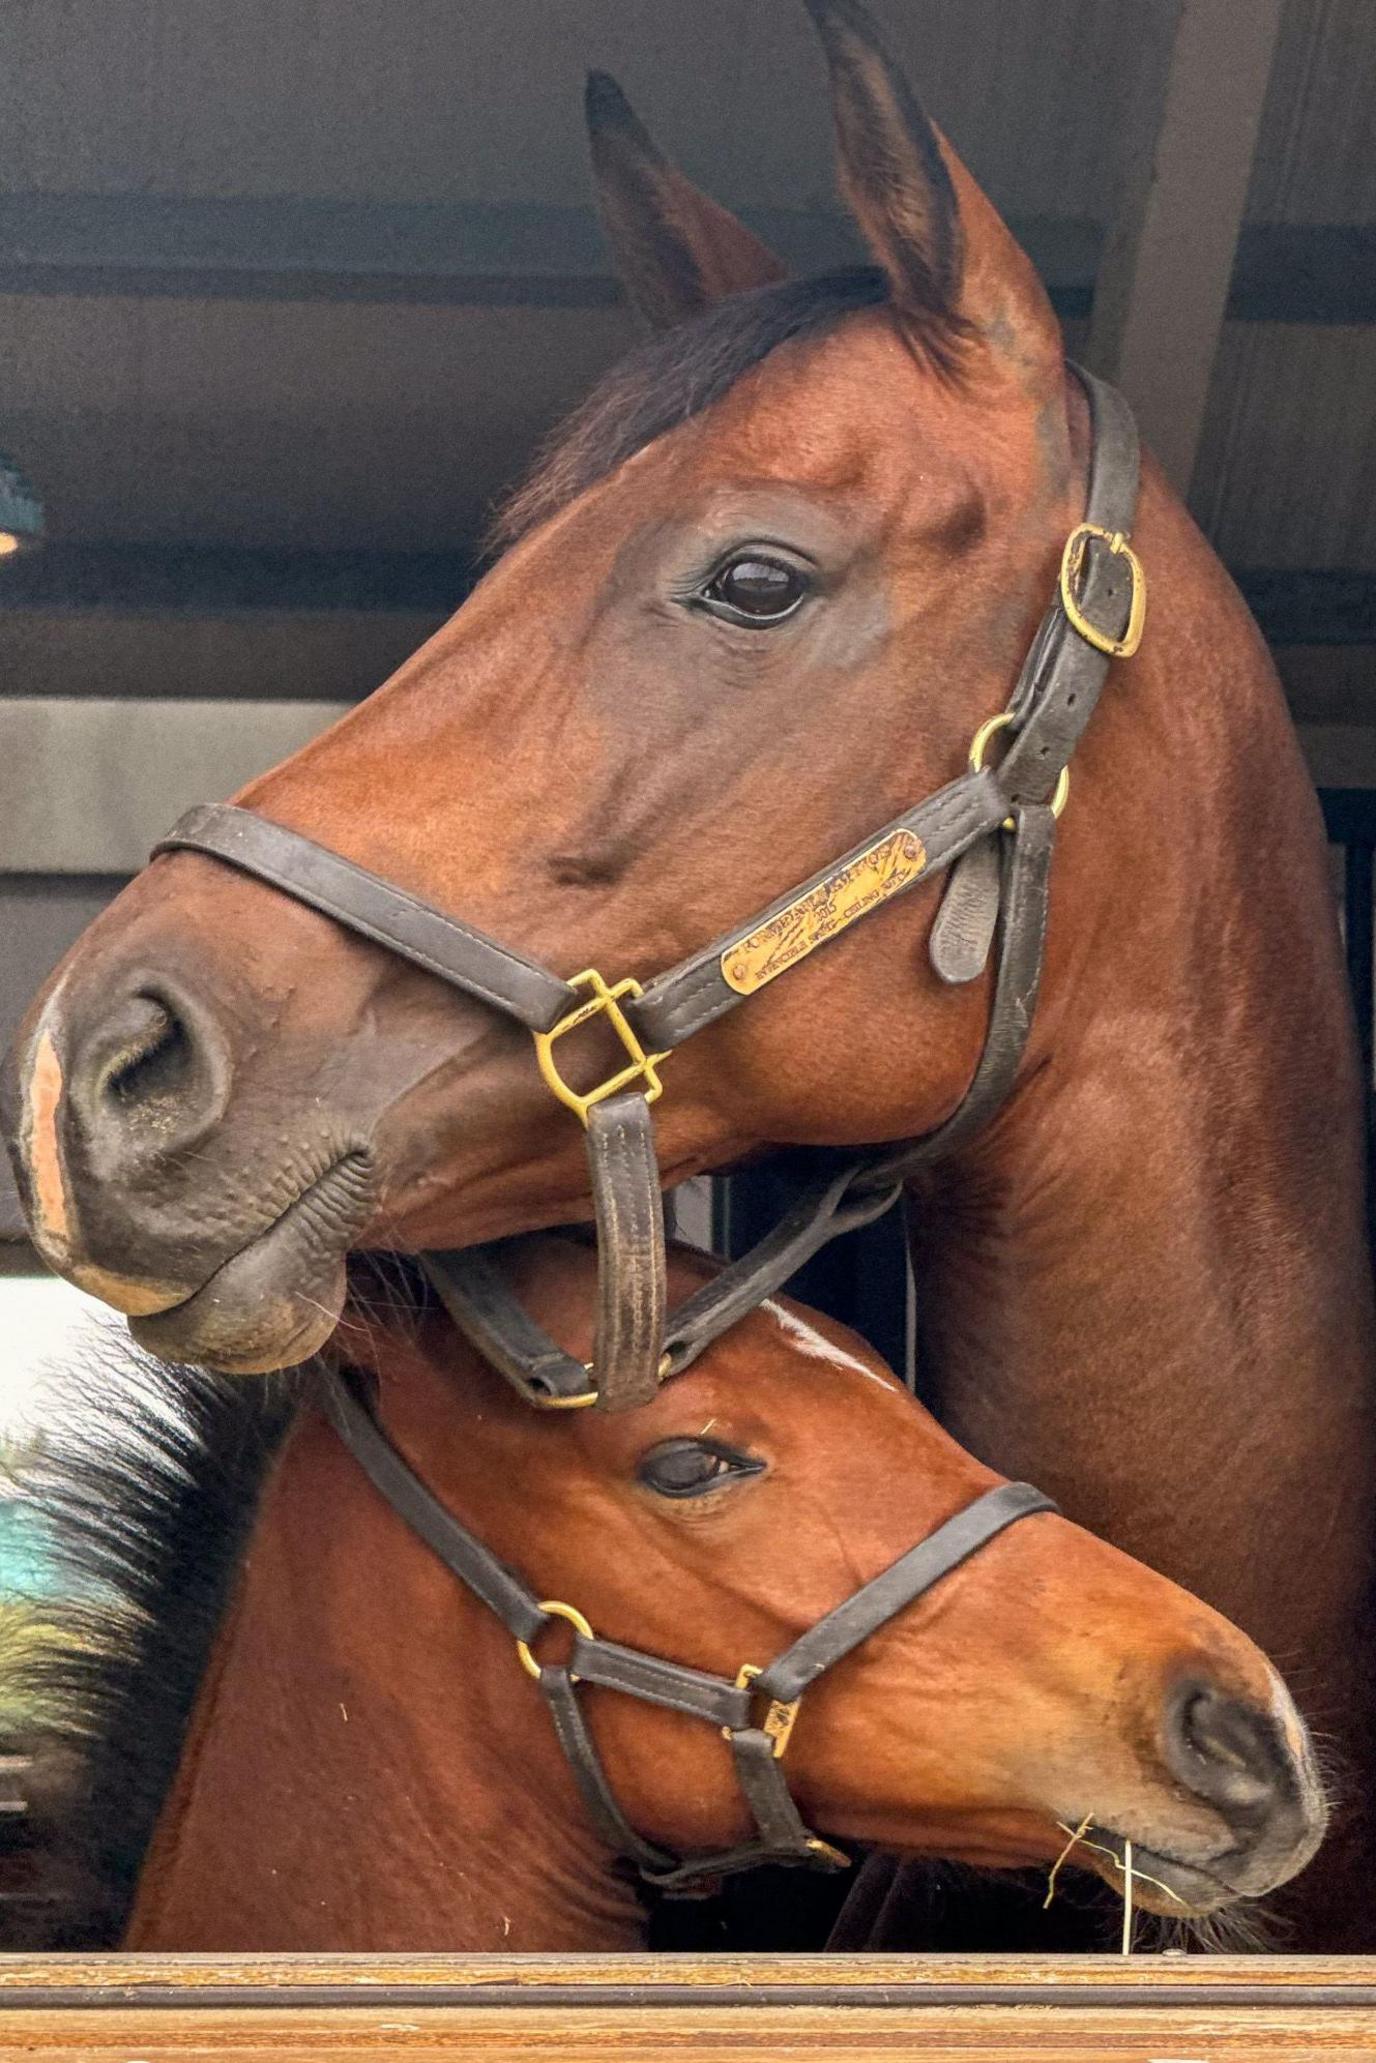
{"points": [[755, 1712], [993, 827]]}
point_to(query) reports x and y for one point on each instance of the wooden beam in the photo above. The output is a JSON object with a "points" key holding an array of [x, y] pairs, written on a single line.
{"points": [[1162, 291], [716, 2010], [1301, 605], [475, 253]]}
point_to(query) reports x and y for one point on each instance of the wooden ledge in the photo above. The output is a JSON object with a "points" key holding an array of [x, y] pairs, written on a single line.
{"points": [[768, 2009]]}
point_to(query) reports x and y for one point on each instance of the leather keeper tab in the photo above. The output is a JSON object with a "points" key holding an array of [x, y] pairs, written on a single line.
{"points": [[962, 934]]}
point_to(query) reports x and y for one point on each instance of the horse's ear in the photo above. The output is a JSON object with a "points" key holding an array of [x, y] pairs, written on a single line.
{"points": [[676, 251], [953, 268]]}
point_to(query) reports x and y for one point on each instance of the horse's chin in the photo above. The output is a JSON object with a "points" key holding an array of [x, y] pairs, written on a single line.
{"points": [[275, 1302], [1161, 1883]]}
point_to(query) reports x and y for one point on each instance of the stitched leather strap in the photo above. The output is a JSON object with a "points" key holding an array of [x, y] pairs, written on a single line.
{"points": [[580, 1750], [1063, 675], [1060, 681], [630, 1245], [363, 902], [821, 1214], [628, 1346], [393, 1477], [477, 1296], [473, 1287], [696, 992], [1025, 876], [671, 1684], [899, 1586]]}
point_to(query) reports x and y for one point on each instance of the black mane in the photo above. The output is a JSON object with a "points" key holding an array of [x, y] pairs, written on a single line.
{"points": [[673, 376], [145, 1489]]}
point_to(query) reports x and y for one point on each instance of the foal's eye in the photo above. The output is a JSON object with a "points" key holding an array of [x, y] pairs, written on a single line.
{"points": [[754, 589], [687, 1468]]}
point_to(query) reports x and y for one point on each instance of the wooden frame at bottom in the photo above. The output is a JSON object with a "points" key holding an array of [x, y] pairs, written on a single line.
{"points": [[759, 2009]]}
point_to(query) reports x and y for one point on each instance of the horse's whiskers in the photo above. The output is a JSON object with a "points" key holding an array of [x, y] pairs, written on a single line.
{"points": [[1078, 1836]]}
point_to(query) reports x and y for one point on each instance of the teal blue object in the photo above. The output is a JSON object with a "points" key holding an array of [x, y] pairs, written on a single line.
{"points": [[26, 1563], [21, 512]]}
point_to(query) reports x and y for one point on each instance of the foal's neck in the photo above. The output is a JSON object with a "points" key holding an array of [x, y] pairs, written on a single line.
{"points": [[1147, 1287], [363, 1773]]}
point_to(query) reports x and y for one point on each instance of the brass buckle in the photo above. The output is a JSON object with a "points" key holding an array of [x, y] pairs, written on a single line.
{"points": [[583, 1398], [979, 746], [556, 1611], [604, 1001], [578, 1402], [777, 1724], [1072, 559]]}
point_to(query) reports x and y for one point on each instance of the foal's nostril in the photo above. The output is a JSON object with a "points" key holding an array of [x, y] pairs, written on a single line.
{"points": [[147, 1080], [1228, 1751]]}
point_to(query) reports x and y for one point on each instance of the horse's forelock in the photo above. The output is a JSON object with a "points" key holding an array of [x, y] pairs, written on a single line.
{"points": [[672, 377]]}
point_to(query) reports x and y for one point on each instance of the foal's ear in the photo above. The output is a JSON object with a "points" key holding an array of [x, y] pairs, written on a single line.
{"points": [[953, 268], [676, 251]]}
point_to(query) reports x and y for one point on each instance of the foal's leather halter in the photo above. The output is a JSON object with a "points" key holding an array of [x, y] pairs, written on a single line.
{"points": [[994, 827], [755, 1713]]}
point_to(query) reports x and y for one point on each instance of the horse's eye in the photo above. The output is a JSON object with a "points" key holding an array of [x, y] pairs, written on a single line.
{"points": [[687, 1468], [752, 589]]}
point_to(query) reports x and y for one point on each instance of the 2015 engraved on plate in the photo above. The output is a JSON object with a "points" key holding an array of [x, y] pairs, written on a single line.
{"points": [[817, 916]]}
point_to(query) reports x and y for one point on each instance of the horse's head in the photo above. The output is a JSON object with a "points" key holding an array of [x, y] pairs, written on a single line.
{"points": [[1048, 1681], [757, 599]]}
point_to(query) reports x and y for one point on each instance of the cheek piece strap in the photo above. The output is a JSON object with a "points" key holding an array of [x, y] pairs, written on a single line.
{"points": [[992, 830]]}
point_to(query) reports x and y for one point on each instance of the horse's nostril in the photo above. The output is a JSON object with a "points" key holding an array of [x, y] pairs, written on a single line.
{"points": [[147, 1080], [1226, 1750], [154, 1060]]}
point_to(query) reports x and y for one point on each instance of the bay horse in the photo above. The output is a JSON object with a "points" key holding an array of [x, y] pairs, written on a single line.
{"points": [[764, 589], [369, 1766]]}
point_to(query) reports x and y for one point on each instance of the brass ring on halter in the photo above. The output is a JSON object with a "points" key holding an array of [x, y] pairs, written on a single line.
{"points": [[979, 745], [552, 1606]]}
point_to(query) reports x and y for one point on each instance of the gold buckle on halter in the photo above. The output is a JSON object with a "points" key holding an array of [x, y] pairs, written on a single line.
{"points": [[777, 1723], [604, 1001], [979, 745], [583, 1398], [1072, 559], [556, 1611]]}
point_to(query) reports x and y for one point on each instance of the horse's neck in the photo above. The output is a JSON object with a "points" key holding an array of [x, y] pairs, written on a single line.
{"points": [[363, 1770], [1147, 1287]]}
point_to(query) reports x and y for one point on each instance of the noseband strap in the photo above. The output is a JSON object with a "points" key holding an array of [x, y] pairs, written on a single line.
{"points": [[993, 828], [757, 1743]]}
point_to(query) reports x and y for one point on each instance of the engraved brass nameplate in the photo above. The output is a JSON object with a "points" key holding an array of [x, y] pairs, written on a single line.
{"points": [[817, 916]]}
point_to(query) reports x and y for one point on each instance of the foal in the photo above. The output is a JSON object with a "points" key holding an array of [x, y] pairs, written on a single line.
{"points": [[368, 1767]]}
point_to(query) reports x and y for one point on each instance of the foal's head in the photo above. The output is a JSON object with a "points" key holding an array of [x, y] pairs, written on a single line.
{"points": [[757, 599], [1048, 1680]]}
